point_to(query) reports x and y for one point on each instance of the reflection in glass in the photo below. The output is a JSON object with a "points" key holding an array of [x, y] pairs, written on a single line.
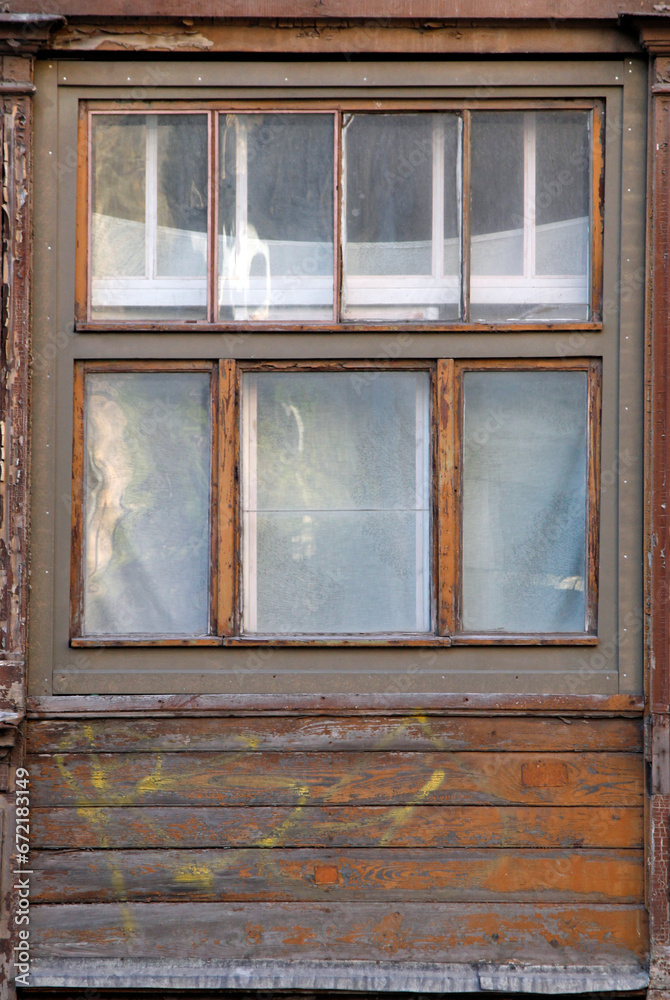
{"points": [[149, 216], [524, 502], [276, 216], [401, 216], [146, 503], [530, 207], [336, 501]]}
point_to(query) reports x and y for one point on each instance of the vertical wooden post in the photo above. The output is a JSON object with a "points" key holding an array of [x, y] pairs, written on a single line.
{"points": [[655, 35], [20, 37]]}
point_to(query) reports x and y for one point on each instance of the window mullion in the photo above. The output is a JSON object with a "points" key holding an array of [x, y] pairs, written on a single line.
{"points": [[464, 183], [227, 496], [250, 504], [445, 498]]}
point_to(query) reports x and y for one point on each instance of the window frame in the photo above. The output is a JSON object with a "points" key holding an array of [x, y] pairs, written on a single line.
{"points": [[85, 322], [445, 540]]}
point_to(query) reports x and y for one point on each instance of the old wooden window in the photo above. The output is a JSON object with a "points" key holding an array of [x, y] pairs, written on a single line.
{"points": [[421, 502], [357, 214]]}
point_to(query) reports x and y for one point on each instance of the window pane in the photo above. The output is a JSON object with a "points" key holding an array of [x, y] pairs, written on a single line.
{"points": [[530, 216], [276, 216], [524, 501], [401, 219], [146, 503], [336, 502], [149, 217]]}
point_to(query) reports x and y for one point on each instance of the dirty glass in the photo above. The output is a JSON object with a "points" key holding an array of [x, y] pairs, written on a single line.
{"points": [[524, 502], [530, 208], [401, 216], [146, 503], [336, 498], [149, 179], [276, 217]]}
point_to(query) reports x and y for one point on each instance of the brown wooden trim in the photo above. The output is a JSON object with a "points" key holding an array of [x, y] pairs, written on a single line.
{"points": [[529, 639], [522, 364], [77, 517], [320, 639], [213, 219], [594, 421], [329, 105], [338, 224], [597, 211], [228, 479], [335, 365], [140, 365], [124, 641], [326, 326], [411, 704], [83, 208], [445, 501], [214, 527]]}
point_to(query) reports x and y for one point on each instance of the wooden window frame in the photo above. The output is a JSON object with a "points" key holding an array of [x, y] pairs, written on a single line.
{"points": [[85, 322], [446, 417]]}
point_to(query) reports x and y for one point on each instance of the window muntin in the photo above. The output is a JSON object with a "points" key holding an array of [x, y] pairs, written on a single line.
{"points": [[431, 217], [361, 503]]}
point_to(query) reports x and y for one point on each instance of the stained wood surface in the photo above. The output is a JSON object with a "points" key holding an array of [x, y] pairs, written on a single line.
{"points": [[345, 734], [596, 779], [332, 826], [382, 874], [539, 932]]}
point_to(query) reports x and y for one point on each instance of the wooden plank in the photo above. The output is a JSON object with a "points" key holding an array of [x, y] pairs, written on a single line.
{"points": [[445, 503], [539, 932], [359, 826], [372, 874], [337, 779], [415, 732]]}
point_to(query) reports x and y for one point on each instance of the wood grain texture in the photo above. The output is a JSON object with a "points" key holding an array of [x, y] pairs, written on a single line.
{"points": [[539, 932], [414, 733], [373, 874], [597, 779], [333, 826]]}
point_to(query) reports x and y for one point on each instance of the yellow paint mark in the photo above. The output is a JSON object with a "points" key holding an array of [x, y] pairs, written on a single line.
{"points": [[199, 875], [401, 814], [154, 781], [119, 886], [98, 774], [250, 742], [87, 729], [277, 838]]}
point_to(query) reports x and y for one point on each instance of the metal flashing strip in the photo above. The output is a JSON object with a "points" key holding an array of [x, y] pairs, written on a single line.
{"points": [[353, 976]]}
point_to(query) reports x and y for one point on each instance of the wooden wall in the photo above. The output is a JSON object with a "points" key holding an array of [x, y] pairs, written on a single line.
{"points": [[423, 839]]}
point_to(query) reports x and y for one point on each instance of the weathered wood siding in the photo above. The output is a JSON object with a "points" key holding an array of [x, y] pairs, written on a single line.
{"points": [[425, 839]]}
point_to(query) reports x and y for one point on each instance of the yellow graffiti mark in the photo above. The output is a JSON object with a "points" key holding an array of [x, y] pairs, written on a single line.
{"points": [[154, 781], [277, 837], [401, 814], [199, 875], [250, 742], [119, 886]]}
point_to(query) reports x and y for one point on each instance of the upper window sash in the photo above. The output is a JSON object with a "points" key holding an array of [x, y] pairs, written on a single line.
{"points": [[452, 218]]}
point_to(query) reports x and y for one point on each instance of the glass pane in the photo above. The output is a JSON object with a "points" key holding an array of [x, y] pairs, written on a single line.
{"points": [[401, 217], [530, 216], [146, 503], [524, 502], [149, 217], [276, 216], [336, 502], [562, 193]]}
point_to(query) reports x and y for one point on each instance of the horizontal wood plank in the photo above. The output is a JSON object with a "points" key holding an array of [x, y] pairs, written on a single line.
{"points": [[337, 826], [345, 734], [333, 778], [373, 874], [532, 933]]}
